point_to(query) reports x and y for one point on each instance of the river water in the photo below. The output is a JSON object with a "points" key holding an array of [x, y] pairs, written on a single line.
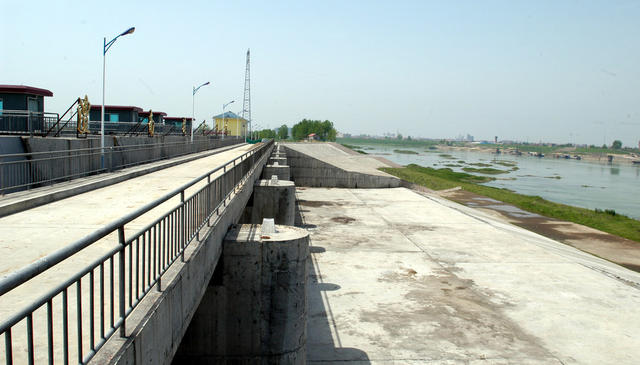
{"points": [[574, 182]]}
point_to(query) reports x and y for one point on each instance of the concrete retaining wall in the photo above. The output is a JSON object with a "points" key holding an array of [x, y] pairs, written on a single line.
{"points": [[163, 317], [118, 153], [311, 172]]}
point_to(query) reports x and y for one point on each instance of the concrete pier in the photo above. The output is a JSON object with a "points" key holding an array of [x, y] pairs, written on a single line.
{"points": [[279, 160], [274, 199], [256, 302], [281, 171]]}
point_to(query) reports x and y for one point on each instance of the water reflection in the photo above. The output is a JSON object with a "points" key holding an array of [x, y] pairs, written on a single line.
{"points": [[615, 171]]}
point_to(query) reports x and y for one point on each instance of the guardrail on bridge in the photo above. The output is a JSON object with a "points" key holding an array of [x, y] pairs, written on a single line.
{"points": [[21, 171], [134, 265]]}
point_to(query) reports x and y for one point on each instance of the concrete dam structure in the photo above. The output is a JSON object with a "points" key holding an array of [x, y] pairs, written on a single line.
{"points": [[294, 253]]}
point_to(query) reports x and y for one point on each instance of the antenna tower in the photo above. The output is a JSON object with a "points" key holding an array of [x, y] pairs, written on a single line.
{"points": [[246, 106]]}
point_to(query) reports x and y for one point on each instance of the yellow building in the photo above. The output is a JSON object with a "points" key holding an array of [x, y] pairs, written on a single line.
{"points": [[233, 124]]}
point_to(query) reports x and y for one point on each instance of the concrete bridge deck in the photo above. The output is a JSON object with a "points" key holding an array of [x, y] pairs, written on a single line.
{"points": [[411, 278], [30, 235]]}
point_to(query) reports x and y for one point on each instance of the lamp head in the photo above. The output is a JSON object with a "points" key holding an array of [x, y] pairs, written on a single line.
{"points": [[128, 31]]}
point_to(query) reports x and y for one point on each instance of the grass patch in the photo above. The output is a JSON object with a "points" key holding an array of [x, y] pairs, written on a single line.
{"points": [[480, 164], [446, 155], [356, 148], [351, 146], [452, 165], [557, 177], [485, 170], [439, 179], [406, 152]]}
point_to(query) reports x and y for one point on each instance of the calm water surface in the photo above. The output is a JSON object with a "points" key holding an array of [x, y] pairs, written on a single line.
{"points": [[578, 183]]}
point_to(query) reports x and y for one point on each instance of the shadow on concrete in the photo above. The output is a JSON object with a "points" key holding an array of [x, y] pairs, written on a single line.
{"points": [[324, 344]]}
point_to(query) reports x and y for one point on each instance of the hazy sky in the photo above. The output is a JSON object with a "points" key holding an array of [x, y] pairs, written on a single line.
{"points": [[561, 71]]}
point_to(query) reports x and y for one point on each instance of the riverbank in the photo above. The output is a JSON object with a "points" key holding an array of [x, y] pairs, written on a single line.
{"points": [[602, 157], [591, 154], [440, 179], [549, 219]]}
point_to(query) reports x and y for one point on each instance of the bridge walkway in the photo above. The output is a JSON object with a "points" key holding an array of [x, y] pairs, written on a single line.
{"points": [[30, 235]]}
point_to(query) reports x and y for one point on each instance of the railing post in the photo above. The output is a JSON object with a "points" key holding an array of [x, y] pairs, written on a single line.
{"points": [[209, 200], [183, 217], [121, 298], [110, 159]]}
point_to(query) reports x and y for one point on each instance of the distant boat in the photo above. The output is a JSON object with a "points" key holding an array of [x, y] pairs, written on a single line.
{"points": [[636, 162]]}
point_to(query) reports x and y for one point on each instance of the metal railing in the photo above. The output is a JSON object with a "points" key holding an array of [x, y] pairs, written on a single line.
{"points": [[26, 122], [119, 279], [117, 128], [28, 170]]}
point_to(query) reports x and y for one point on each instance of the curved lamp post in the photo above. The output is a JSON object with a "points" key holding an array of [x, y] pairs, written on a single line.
{"points": [[193, 106], [105, 48]]}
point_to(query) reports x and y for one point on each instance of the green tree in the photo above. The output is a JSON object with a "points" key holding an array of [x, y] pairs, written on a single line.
{"points": [[617, 144], [399, 136], [283, 132], [267, 133], [324, 130]]}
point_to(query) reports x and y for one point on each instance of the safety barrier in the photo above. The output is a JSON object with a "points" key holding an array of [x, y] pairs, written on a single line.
{"points": [[119, 279], [22, 171]]}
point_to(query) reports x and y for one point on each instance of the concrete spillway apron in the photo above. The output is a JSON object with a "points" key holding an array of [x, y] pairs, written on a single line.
{"points": [[256, 303], [281, 171], [279, 160], [274, 198]]}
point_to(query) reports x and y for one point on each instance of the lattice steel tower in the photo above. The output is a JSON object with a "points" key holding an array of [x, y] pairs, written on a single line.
{"points": [[246, 106]]}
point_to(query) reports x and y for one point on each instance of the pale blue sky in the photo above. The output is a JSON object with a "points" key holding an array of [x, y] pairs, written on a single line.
{"points": [[538, 70]]}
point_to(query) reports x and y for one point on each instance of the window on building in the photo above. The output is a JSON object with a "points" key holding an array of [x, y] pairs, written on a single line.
{"points": [[0, 106], [114, 117]]}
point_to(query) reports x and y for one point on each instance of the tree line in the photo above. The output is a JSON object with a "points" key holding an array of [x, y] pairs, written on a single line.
{"points": [[324, 131]]}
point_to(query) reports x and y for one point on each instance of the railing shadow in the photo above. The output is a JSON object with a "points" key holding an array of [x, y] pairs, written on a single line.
{"points": [[324, 344]]}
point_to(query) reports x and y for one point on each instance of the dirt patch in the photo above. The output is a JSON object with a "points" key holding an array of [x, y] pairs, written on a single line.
{"points": [[343, 220]]}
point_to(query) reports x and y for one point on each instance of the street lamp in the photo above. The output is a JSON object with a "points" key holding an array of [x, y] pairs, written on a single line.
{"points": [[105, 48], [193, 106], [223, 126]]}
